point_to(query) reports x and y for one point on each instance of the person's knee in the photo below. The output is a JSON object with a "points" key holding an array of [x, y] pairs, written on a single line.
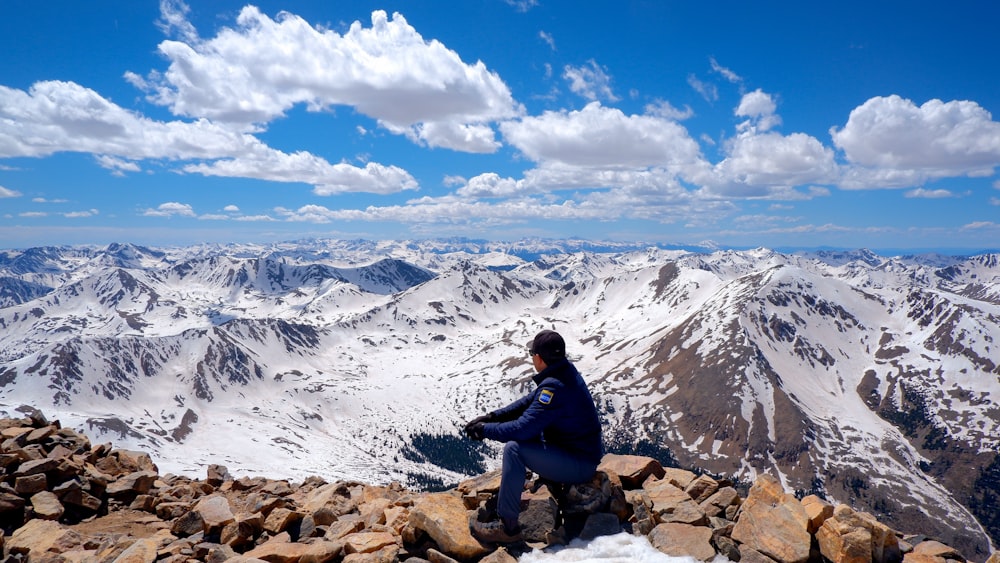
{"points": [[512, 448]]}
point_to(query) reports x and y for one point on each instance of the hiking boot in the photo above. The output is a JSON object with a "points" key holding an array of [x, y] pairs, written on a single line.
{"points": [[494, 531]]}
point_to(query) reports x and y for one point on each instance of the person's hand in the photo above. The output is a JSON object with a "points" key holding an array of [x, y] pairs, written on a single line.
{"points": [[475, 429], [478, 420]]}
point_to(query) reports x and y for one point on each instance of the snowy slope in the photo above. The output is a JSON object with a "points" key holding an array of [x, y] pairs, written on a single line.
{"points": [[871, 380]]}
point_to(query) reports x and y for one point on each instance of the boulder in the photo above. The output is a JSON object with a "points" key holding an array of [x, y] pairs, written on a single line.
{"points": [[444, 518], [773, 523], [683, 540], [632, 470]]}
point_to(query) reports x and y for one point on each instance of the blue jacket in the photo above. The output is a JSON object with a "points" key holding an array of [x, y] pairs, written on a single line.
{"points": [[560, 412]]}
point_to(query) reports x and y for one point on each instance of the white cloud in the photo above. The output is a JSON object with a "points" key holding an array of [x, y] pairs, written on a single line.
{"points": [[491, 185], [522, 5], [327, 179], [256, 71], [769, 164], [231, 209], [760, 108], [170, 209], [663, 108], [548, 39], [725, 72], [590, 81], [6, 192], [924, 193], [707, 90], [599, 136], [66, 117], [81, 214], [892, 142]]}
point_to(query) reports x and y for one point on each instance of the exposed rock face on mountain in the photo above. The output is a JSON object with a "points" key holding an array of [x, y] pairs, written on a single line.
{"points": [[64, 500], [869, 381]]}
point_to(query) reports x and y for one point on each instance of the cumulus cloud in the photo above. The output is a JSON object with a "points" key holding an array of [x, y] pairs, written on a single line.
{"points": [[7, 192], [170, 209], [892, 142], [758, 164], [58, 116], [589, 81], [599, 136], [259, 69], [760, 108]]}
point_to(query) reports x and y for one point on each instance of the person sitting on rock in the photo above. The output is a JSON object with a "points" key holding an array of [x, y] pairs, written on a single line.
{"points": [[553, 431]]}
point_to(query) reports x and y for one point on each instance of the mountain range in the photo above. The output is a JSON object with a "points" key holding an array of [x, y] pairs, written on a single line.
{"points": [[869, 380]]}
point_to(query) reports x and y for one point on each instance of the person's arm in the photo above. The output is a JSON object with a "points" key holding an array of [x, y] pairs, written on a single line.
{"points": [[540, 411]]}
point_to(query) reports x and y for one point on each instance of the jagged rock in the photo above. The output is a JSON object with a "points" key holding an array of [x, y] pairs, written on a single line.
{"points": [[719, 501], [936, 549], [132, 484], [368, 542], [773, 522], [47, 506], [994, 557], [679, 478], [853, 537], [216, 475], [702, 487], [817, 511], [539, 514], [281, 519], [680, 540], [43, 536], [142, 551], [444, 518], [631, 470], [672, 504], [600, 524], [215, 512]]}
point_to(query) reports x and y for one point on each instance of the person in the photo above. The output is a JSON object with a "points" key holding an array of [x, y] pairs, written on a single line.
{"points": [[553, 431]]}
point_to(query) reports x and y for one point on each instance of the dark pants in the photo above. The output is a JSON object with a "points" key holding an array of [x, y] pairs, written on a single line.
{"points": [[548, 462]]}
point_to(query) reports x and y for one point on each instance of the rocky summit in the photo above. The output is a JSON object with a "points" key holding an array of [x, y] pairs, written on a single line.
{"points": [[66, 500]]}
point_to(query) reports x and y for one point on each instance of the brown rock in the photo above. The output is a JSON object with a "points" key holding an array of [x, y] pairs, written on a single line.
{"points": [[722, 499], [485, 483], [539, 512], [368, 542], [47, 506], [773, 523], [851, 537], [672, 504], [30, 484], [499, 556], [632, 470], [817, 510], [683, 540], [679, 478], [280, 519], [750, 555], [142, 551], [215, 511], [701, 488], [937, 549], [132, 484], [444, 518], [279, 551], [42, 536]]}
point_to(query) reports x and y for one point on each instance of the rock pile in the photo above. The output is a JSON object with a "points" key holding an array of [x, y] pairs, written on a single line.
{"points": [[64, 500]]}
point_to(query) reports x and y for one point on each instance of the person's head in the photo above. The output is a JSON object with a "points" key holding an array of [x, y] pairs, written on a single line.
{"points": [[549, 346]]}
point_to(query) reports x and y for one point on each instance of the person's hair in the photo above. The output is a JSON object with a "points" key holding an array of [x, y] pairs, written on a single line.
{"points": [[549, 345]]}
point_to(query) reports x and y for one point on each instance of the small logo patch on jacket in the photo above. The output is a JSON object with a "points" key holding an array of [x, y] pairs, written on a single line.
{"points": [[545, 397]]}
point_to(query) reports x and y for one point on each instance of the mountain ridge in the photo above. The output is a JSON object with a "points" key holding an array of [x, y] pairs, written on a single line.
{"points": [[848, 374]]}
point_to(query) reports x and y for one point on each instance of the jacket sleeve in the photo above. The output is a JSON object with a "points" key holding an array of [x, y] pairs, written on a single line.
{"points": [[513, 410], [537, 415]]}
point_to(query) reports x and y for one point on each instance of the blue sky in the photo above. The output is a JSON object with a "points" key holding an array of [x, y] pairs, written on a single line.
{"points": [[779, 124]]}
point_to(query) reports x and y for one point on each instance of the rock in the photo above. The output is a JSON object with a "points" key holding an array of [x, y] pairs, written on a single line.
{"points": [[683, 540], [500, 556], [601, 524], [773, 523], [632, 470], [444, 518], [215, 512], [679, 478], [539, 513], [142, 551], [853, 537], [368, 542], [132, 484], [702, 487], [47, 506], [817, 511], [216, 475], [42, 536], [718, 502], [933, 548], [672, 504]]}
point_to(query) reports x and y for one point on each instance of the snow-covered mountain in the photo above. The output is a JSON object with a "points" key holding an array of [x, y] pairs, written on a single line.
{"points": [[871, 380]]}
